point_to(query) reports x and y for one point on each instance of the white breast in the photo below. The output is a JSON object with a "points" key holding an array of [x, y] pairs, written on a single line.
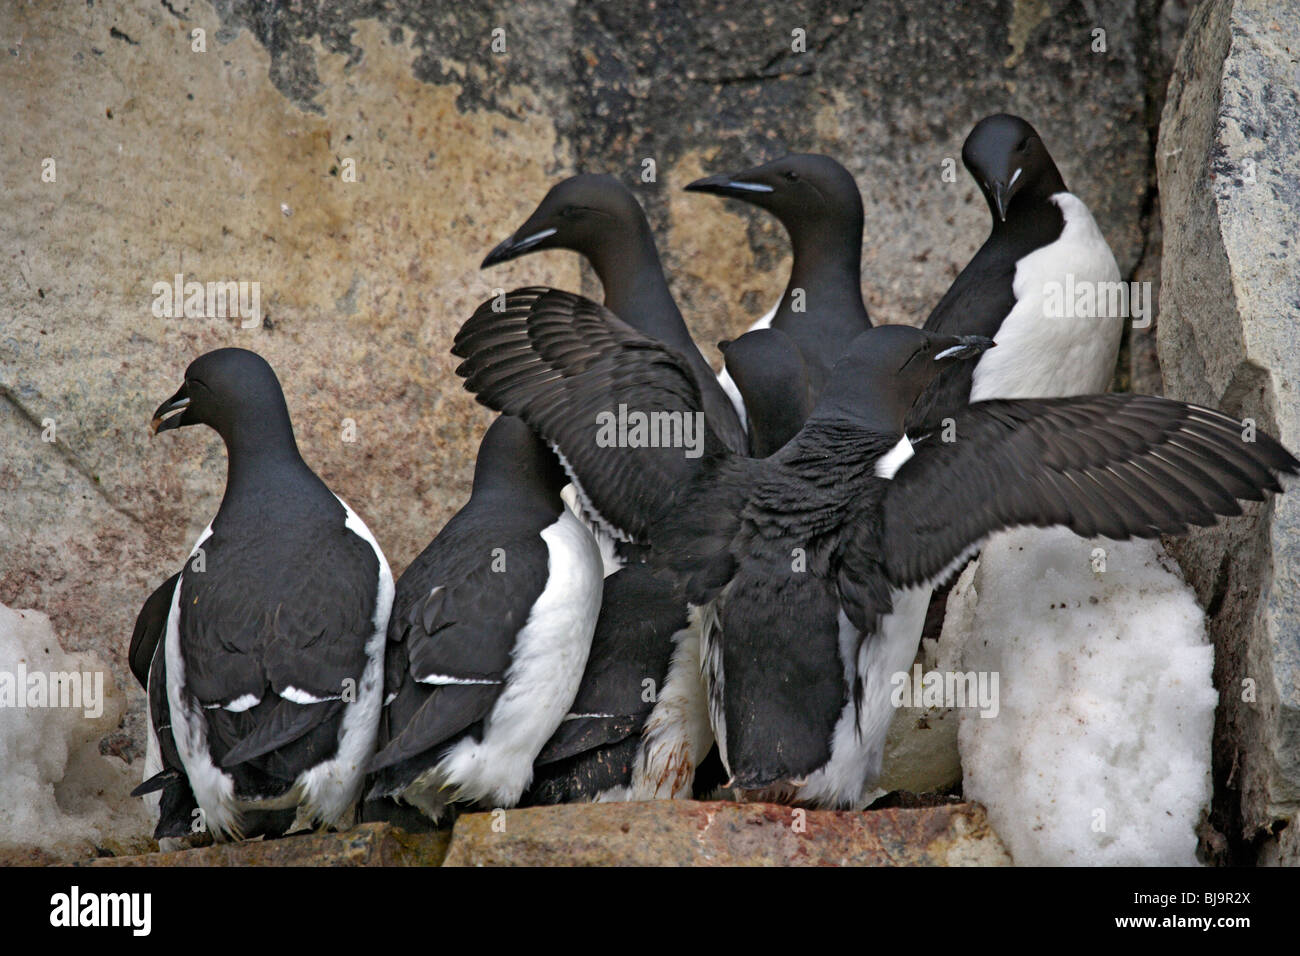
{"points": [[546, 667], [1041, 354], [858, 744]]}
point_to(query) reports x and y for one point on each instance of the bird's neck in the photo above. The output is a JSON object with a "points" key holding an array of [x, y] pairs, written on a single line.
{"points": [[513, 497], [825, 280], [531, 477], [636, 289], [261, 450], [1033, 219]]}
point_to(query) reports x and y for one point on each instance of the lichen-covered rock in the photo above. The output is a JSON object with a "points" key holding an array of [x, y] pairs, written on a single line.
{"points": [[1229, 336], [687, 833]]}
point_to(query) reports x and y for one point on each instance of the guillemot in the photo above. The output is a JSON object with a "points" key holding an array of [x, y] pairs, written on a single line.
{"points": [[817, 201], [1042, 239], [274, 638], [491, 629], [596, 216]]}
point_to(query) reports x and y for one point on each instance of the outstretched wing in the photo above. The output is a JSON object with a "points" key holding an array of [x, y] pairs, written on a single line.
{"points": [[1114, 465], [600, 392]]}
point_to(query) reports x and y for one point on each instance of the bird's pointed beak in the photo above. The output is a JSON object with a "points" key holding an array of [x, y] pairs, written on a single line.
{"points": [[168, 414], [965, 347], [723, 184], [1001, 199], [512, 247]]}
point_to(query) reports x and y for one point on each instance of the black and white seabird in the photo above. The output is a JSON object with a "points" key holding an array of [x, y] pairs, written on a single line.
{"points": [[597, 217], [799, 563], [274, 640], [1043, 239], [491, 629], [639, 725], [817, 201]]}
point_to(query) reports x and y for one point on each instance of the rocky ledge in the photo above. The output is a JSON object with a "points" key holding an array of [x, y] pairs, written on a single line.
{"points": [[668, 833]]}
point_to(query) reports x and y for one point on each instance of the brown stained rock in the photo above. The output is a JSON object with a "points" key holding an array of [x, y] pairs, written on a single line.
{"points": [[687, 833], [369, 844]]}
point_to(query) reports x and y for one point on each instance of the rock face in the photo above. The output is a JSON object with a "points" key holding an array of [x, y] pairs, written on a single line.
{"points": [[1229, 164], [357, 161]]}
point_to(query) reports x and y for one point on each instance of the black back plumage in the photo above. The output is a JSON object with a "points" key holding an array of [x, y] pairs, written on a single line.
{"points": [[261, 620], [461, 603]]}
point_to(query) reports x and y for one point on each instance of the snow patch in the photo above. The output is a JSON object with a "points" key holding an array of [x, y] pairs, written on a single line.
{"points": [[57, 792], [1100, 755]]}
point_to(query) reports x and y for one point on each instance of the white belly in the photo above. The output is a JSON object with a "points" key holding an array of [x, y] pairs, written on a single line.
{"points": [[1042, 353]]}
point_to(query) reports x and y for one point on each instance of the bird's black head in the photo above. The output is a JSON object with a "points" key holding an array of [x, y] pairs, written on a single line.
{"points": [[232, 390], [514, 461], [1008, 160], [885, 370], [773, 379], [578, 214], [797, 189]]}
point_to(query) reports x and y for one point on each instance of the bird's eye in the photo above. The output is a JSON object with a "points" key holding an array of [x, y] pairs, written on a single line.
{"points": [[1022, 145], [791, 176], [571, 212]]}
